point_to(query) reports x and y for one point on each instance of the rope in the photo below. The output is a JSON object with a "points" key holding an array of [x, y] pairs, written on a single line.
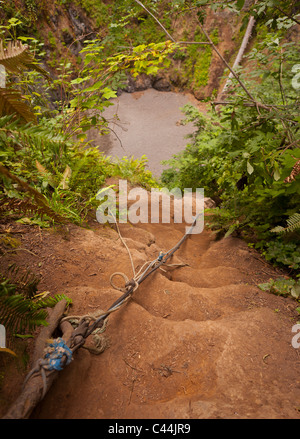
{"points": [[124, 243], [56, 356], [60, 354], [100, 342], [137, 276], [152, 266]]}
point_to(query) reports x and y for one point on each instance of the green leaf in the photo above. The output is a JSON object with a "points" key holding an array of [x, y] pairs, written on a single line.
{"points": [[250, 168], [107, 93], [80, 80], [264, 287], [240, 4], [276, 175], [295, 291], [24, 336], [94, 87]]}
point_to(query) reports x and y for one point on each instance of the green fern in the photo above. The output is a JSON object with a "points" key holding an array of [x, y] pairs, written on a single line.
{"points": [[293, 224], [24, 280], [17, 313], [50, 302], [12, 102], [16, 58], [40, 205], [20, 310]]}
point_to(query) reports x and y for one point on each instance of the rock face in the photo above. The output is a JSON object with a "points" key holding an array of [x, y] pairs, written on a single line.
{"points": [[162, 84], [143, 82], [68, 25]]}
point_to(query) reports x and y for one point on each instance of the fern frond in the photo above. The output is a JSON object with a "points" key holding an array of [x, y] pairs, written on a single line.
{"points": [[26, 282], [34, 136], [41, 203], [50, 302], [12, 103], [293, 223], [16, 58], [17, 313]]}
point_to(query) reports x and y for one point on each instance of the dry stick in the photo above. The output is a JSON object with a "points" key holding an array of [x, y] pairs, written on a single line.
{"points": [[193, 42], [241, 51]]}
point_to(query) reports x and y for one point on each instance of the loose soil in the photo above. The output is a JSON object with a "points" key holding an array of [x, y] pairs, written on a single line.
{"points": [[199, 341]]}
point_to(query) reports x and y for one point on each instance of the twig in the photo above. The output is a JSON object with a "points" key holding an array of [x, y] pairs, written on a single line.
{"points": [[132, 367], [287, 147], [289, 16], [194, 42], [157, 21], [131, 391], [20, 249]]}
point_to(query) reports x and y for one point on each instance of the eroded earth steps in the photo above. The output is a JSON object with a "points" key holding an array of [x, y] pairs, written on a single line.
{"points": [[197, 341]]}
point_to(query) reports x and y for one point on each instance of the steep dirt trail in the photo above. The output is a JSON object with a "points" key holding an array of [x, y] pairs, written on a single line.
{"points": [[200, 341]]}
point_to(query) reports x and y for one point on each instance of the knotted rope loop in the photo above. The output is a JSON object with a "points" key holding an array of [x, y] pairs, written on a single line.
{"points": [[123, 275], [128, 283], [57, 355], [55, 351]]}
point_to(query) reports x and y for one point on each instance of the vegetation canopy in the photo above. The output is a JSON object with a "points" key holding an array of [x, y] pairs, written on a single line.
{"points": [[245, 151]]}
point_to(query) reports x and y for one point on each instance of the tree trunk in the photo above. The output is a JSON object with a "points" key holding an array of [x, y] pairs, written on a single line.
{"points": [[30, 395]]}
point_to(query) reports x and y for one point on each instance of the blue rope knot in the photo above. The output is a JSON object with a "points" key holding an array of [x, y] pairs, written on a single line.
{"points": [[54, 353], [161, 255]]}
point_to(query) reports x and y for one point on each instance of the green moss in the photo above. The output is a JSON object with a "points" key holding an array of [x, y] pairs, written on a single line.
{"points": [[63, 2], [51, 39], [97, 10], [198, 60], [215, 36], [9, 241]]}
